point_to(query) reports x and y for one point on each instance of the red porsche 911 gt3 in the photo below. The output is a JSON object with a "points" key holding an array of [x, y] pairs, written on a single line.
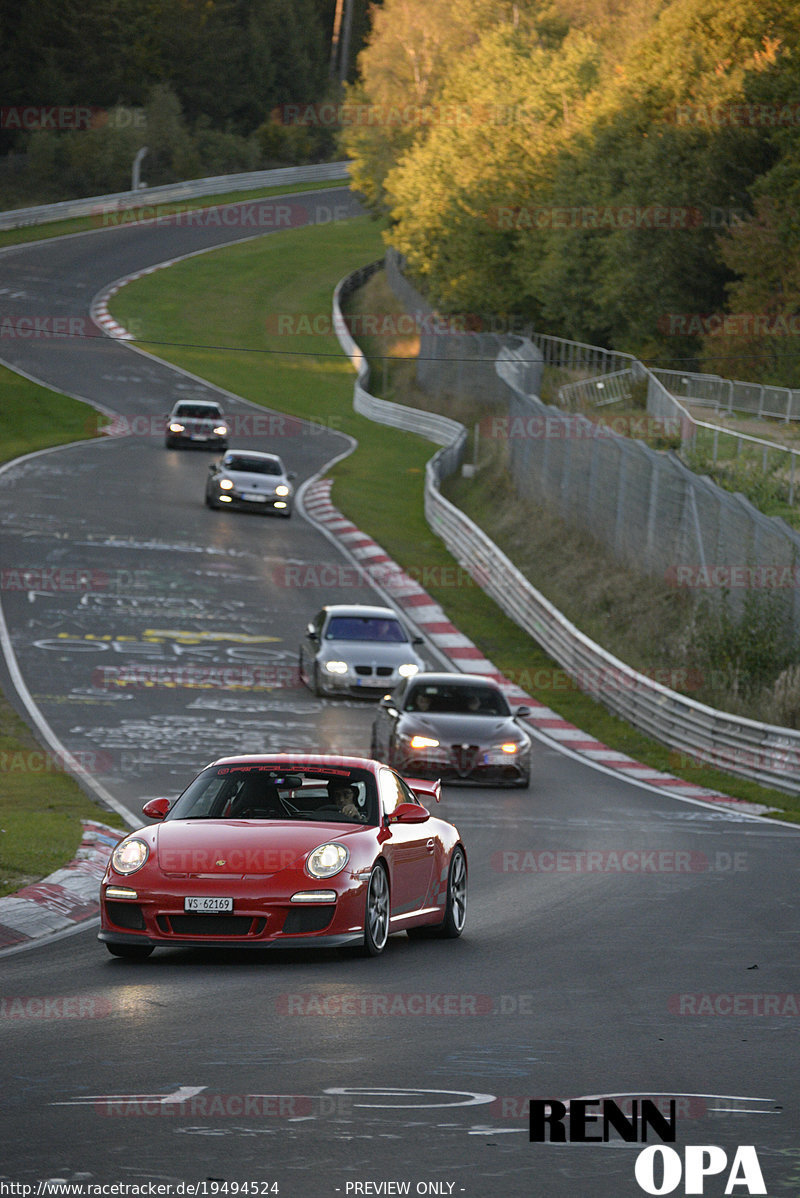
{"points": [[286, 851]]}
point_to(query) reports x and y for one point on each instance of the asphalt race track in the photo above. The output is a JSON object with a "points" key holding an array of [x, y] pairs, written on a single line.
{"points": [[619, 942]]}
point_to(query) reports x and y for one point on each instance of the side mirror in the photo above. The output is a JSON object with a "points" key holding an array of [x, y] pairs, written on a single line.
{"points": [[292, 474], [156, 808], [311, 633], [409, 813], [212, 466], [417, 640], [521, 711]]}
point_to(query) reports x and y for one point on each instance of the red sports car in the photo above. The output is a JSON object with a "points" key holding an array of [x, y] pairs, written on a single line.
{"points": [[286, 850]]}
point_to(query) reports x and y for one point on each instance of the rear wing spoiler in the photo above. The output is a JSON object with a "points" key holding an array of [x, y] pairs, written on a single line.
{"points": [[425, 789]]}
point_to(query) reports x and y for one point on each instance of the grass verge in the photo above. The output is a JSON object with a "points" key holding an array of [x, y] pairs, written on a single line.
{"points": [[34, 417], [40, 806], [227, 334]]}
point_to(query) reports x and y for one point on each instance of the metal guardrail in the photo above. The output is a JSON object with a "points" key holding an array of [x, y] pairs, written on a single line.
{"points": [[19, 218], [439, 429], [616, 387], [732, 395], [765, 753]]}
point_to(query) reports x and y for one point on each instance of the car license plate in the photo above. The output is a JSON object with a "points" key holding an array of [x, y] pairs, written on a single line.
{"points": [[208, 903], [255, 498], [199, 437]]}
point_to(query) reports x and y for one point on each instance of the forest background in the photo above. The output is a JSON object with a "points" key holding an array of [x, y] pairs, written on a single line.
{"points": [[621, 172]]}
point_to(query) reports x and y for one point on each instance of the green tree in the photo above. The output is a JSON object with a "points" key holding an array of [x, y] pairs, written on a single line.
{"points": [[458, 196]]}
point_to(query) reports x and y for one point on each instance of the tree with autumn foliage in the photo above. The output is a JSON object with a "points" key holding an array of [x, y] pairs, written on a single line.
{"points": [[597, 211]]}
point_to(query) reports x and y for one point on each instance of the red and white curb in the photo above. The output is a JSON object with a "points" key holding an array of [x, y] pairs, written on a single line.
{"points": [[430, 618], [64, 899], [99, 307]]}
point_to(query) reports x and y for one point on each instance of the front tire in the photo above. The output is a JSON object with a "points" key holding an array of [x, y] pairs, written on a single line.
{"points": [[130, 952], [376, 914]]}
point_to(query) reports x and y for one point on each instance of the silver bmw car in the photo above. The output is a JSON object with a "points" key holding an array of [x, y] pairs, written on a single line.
{"points": [[356, 649]]}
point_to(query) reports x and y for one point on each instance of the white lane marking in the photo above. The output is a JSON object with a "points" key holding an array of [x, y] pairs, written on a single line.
{"points": [[182, 1094], [464, 1097]]}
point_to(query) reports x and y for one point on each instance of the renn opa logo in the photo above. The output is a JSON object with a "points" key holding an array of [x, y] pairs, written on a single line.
{"points": [[658, 1169]]}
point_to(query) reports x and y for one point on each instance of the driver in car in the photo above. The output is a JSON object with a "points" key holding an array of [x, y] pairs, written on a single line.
{"points": [[343, 796]]}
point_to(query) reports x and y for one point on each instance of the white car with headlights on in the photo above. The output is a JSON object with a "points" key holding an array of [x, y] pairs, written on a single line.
{"points": [[257, 481], [356, 649]]}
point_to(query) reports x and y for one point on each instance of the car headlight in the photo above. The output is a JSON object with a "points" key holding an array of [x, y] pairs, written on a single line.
{"points": [[408, 670], [511, 747], [281, 490], [176, 428], [326, 860], [221, 430], [336, 667], [225, 484], [129, 855], [423, 742]]}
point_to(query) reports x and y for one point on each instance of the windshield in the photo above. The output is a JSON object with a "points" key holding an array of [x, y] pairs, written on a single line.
{"points": [[198, 412], [253, 465], [259, 791], [457, 700], [365, 628]]}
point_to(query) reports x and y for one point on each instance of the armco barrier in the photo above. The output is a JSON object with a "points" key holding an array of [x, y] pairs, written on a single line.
{"points": [[19, 218], [766, 753]]}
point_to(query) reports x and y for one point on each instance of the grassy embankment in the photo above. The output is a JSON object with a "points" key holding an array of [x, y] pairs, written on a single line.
{"points": [[226, 299]]}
